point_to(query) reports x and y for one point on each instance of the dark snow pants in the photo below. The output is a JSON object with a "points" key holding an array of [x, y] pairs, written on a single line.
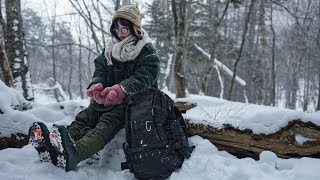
{"points": [[93, 122]]}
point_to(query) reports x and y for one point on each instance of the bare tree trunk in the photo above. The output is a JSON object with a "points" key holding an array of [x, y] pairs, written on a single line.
{"points": [[241, 49], [71, 71], [306, 92], [53, 53], [251, 59], [273, 71], [294, 93], [79, 64], [175, 17], [117, 5], [16, 51], [89, 55], [263, 56], [318, 105], [162, 5], [318, 44], [174, 11], [125, 2], [180, 53], [5, 66], [214, 45]]}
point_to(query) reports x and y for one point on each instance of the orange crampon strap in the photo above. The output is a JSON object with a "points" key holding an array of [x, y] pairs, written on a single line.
{"points": [[37, 133]]}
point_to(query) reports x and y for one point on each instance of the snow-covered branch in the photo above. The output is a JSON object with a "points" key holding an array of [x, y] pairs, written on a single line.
{"points": [[221, 66]]}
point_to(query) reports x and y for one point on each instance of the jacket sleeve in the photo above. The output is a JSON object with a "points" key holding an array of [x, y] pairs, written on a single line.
{"points": [[145, 74], [101, 71]]}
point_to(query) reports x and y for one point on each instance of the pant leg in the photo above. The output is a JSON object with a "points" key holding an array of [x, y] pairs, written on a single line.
{"points": [[85, 121], [107, 127]]}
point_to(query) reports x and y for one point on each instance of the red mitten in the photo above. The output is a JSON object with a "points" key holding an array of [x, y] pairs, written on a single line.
{"points": [[93, 88], [92, 101], [106, 91], [97, 97], [113, 95]]}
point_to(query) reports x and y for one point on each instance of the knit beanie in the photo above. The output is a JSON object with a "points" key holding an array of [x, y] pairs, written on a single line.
{"points": [[132, 13]]}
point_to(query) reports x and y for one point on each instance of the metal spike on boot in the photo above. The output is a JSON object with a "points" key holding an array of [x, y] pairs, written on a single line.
{"points": [[67, 156], [39, 138]]}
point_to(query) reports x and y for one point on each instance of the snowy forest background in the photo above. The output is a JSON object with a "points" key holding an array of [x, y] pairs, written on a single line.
{"points": [[257, 51]]}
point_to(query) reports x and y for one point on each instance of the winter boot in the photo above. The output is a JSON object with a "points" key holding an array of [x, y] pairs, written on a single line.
{"points": [[39, 139], [67, 156]]}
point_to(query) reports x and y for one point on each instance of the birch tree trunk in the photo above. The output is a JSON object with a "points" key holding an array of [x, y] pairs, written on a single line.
{"points": [[16, 51], [180, 52]]}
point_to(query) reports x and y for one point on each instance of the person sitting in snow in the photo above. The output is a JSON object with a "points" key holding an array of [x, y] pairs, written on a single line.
{"points": [[129, 64]]}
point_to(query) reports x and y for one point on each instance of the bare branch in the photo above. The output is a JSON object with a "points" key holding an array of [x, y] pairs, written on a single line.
{"points": [[62, 44]]}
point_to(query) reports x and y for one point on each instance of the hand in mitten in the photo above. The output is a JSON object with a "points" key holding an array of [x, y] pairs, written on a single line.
{"points": [[95, 89], [113, 95], [97, 97], [92, 101]]}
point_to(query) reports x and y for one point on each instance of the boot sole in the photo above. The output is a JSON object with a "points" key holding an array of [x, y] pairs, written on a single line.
{"points": [[64, 145], [41, 142]]}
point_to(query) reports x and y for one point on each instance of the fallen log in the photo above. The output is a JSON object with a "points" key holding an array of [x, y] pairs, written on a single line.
{"points": [[285, 143], [297, 139], [14, 141]]}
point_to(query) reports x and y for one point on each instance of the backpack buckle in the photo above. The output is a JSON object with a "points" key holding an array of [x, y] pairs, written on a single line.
{"points": [[148, 128]]}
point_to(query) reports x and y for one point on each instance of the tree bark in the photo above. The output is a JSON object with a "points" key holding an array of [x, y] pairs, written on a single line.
{"points": [[180, 52], [79, 64], [273, 71], [125, 2], [240, 52], [318, 44], [71, 71], [5, 66], [16, 50], [117, 5], [263, 56], [318, 105], [244, 143], [53, 53], [251, 59], [214, 45]]}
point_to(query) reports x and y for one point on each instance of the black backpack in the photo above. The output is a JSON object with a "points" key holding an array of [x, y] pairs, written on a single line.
{"points": [[156, 142]]}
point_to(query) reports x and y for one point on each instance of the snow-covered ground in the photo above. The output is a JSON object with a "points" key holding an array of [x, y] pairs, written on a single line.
{"points": [[206, 161]]}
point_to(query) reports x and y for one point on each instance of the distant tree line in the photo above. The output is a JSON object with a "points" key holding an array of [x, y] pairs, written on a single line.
{"points": [[257, 51]]}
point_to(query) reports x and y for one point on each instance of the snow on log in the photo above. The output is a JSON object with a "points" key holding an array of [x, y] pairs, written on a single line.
{"points": [[297, 139], [285, 143]]}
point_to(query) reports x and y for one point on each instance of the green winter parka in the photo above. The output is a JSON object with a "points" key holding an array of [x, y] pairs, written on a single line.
{"points": [[133, 76]]}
